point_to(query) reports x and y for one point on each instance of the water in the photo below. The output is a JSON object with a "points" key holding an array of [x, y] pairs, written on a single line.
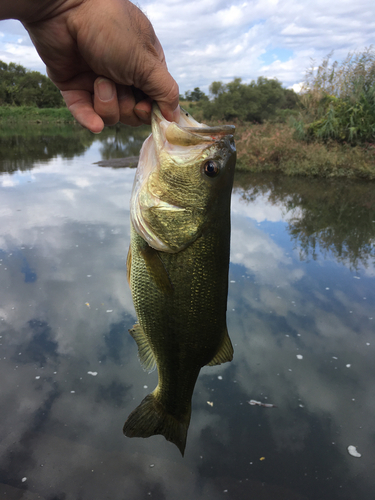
{"points": [[300, 315]]}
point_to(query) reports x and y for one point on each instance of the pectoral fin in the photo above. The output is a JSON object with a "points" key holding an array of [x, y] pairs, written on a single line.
{"points": [[225, 353], [145, 354], [156, 269]]}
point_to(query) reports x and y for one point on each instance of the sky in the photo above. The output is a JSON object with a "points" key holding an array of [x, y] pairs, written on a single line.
{"points": [[217, 40]]}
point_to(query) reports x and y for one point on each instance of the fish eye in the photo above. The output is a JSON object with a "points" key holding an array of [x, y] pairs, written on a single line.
{"points": [[211, 168]]}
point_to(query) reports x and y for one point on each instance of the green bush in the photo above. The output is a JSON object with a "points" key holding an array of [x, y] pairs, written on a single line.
{"points": [[338, 101], [253, 102], [21, 87]]}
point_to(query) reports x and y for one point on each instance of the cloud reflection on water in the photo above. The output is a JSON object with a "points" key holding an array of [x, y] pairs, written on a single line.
{"points": [[73, 230]]}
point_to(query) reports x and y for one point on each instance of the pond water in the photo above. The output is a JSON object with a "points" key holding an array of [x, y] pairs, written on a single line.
{"points": [[300, 315]]}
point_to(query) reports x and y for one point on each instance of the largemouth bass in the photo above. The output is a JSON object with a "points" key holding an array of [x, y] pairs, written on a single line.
{"points": [[178, 265]]}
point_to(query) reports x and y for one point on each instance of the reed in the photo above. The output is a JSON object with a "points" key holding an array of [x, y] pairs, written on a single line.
{"points": [[338, 100]]}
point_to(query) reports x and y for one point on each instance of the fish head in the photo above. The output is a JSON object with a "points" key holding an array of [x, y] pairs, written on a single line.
{"points": [[183, 181]]}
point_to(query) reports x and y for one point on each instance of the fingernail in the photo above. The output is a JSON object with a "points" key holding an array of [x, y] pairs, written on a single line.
{"points": [[106, 89], [143, 115]]}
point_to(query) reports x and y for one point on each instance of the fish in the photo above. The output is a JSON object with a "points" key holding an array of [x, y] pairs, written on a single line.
{"points": [[177, 265]]}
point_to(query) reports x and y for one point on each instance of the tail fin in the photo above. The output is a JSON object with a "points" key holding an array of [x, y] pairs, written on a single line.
{"points": [[150, 418]]}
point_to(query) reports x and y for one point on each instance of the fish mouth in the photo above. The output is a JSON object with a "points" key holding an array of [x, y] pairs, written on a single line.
{"points": [[187, 132], [180, 139]]}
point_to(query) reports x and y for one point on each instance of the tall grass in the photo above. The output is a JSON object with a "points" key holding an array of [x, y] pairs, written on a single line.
{"points": [[338, 100], [273, 147], [19, 114]]}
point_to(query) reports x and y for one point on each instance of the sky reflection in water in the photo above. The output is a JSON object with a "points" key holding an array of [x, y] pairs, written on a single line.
{"points": [[301, 319]]}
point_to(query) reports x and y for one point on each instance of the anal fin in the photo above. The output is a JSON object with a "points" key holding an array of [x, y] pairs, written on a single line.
{"points": [[145, 353], [225, 352]]}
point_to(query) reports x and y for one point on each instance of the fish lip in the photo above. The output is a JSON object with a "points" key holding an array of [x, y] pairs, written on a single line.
{"points": [[187, 127]]}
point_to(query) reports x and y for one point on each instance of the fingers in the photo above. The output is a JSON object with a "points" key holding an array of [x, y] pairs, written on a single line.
{"points": [[105, 101], [128, 108], [109, 105], [79, 103], [160, 86]]}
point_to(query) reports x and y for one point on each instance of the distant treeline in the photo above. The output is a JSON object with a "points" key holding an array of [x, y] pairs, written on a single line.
{"points": [[21, 87], [337, 101], [257, 101]]}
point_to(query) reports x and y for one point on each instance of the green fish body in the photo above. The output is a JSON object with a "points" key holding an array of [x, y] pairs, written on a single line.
{"points": [[178, 266]]}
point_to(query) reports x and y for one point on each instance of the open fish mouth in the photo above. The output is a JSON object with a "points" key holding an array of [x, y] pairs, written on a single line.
{"points": [[182, 141]]}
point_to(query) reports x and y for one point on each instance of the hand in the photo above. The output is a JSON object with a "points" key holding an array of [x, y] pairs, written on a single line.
{"points": [[95, 51]]}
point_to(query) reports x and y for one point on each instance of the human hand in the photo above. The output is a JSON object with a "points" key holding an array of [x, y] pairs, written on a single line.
{"points": [[95, 51]]}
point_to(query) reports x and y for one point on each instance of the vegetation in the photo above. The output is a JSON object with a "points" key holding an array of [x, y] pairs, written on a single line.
{"points": [[258, 101], [273, 147], [14, 115], [194, 95], [338, 100], [327, 131], [21, 87]]}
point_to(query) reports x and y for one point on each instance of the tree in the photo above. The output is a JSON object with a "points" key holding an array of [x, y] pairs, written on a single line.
{"points": [[256, 101], [21, 87], [196, 95]]}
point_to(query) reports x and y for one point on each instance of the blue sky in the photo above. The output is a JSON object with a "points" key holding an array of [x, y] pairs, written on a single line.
{"points": [[210, 40]]}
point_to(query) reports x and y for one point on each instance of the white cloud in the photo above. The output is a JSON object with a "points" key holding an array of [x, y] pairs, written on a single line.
{"points": [[215, 40]]}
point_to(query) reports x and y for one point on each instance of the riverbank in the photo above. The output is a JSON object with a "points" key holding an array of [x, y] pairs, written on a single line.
{"points": [[269, 147], [272, 147], [17, 115]]}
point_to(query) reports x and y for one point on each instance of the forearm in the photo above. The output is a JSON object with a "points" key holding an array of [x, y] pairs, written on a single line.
{"points": [[28, 11]]}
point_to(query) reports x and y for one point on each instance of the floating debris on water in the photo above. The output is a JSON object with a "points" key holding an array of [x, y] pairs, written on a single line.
{"points": [[352, 450], [348, 365], [299, 356], [220, 377], [94, 374], [253, 402], [210, 403], [24, 479]]}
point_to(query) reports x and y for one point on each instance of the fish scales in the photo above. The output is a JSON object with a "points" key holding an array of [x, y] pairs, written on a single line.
{"points": [[180, 284]]}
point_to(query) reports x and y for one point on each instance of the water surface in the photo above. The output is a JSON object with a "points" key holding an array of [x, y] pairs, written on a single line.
{"points": [[300, 315]]}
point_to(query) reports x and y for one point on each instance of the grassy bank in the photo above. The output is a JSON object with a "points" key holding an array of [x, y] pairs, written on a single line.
{"points": [[272, 147], [10, 115], [269, 147]]}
